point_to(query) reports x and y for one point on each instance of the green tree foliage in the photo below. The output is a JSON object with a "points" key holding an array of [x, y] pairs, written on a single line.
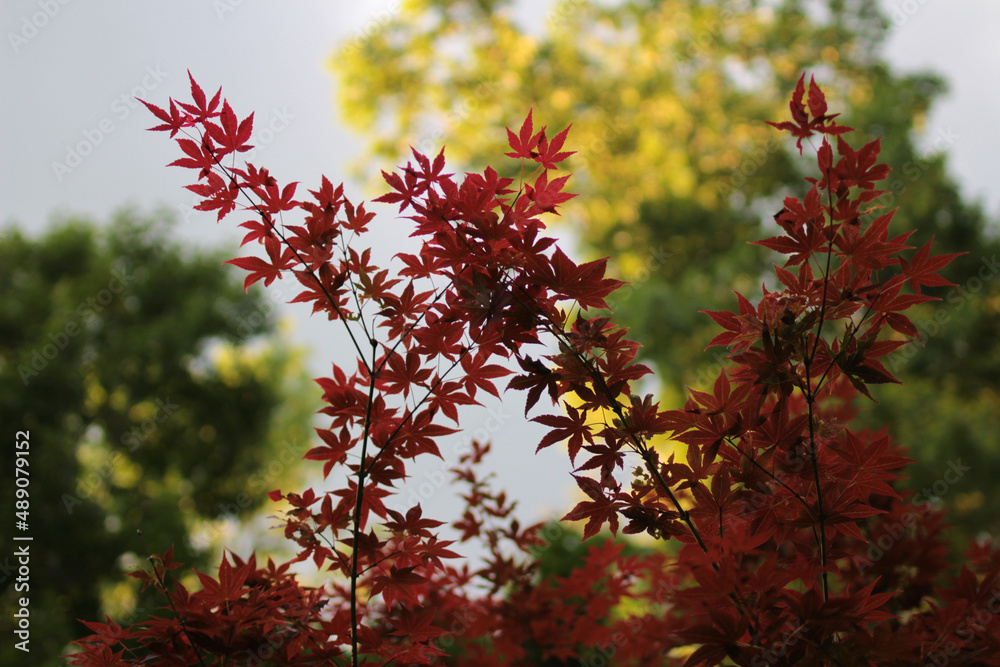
{"points": [[159, 397], [668, 100]]}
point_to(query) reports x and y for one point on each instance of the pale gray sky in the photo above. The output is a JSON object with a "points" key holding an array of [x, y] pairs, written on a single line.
{"points": [[72, 140]]}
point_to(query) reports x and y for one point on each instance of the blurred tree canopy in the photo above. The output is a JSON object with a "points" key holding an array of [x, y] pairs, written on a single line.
{"points": [[158, 396], [678, 172]]}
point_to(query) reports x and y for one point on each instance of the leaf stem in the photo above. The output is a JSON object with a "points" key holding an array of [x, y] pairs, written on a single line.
{"points": [[357, 513]]}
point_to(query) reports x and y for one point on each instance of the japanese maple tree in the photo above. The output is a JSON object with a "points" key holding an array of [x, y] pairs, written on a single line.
{"points": [[794, 546]]}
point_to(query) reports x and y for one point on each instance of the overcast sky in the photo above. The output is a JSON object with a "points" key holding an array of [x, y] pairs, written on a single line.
{"points": [[72, 140]]}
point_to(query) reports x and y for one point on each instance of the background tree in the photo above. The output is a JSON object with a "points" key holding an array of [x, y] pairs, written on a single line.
{"points": [[668, 100], [159, 396]]}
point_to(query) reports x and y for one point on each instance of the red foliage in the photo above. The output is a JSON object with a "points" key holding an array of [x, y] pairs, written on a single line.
{"points": [[778, 507]]}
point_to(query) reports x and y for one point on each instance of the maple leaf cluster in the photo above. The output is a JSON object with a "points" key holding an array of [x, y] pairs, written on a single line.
{"points": [[775, 507]]}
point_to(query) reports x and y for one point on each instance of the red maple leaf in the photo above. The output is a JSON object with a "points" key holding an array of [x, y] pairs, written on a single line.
{"points": [[260, 269], [598, 510], [231, 133], [523, 143], [548, 195], [397, 585], [202, 110], [549, 155], [228, 587], [922, 269], [537, 379], [573, 426], [802, 127], [333, 451]]}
